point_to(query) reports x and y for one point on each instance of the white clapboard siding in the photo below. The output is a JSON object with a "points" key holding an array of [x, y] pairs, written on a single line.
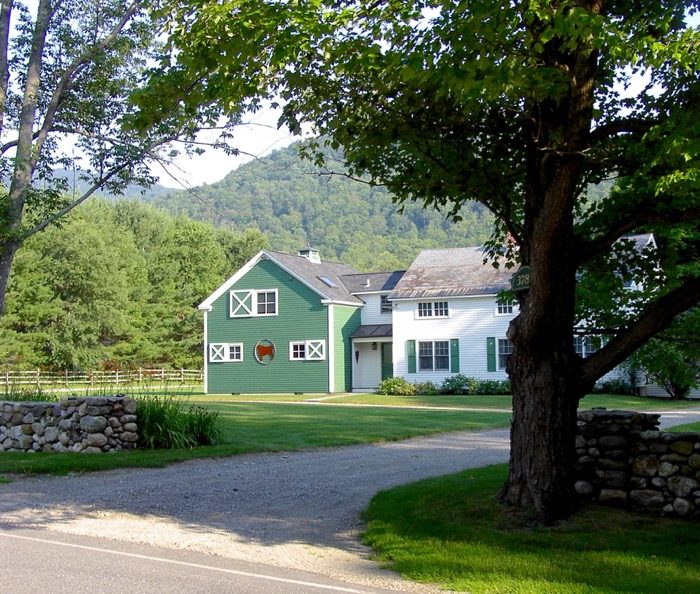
{"points": [[371, 313]]}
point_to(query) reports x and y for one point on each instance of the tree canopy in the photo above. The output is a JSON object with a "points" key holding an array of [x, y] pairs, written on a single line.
{"points": [[519, 106], [68, 71], [117, 286]]}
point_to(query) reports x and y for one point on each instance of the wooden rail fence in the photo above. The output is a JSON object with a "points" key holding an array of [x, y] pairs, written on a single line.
{"points": [[37, 377]]}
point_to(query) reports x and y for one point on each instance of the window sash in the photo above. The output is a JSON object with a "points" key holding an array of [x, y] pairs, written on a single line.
{"points": [[505, 349], [425, 310], [504, 308], [384, 305], [425, 356], [440, 309], [267, 303], [442, 355]]}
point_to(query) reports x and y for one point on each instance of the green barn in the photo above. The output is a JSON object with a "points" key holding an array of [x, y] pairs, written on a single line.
{"points": [[282, 323]]}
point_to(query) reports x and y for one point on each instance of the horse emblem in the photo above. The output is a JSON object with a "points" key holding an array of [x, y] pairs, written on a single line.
{"points": [[264, 351]]}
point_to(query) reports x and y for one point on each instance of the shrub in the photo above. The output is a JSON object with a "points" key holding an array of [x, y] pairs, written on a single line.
{"points": [[165, 423], [460, 384], [615, 386], [494, 387], [396, 386], [427, 389]]}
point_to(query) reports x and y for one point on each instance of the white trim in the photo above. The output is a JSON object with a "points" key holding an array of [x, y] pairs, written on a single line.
{"points": [[380, 292], [366, 339], [337, 302], [292, 344], [314, 350], [208, 303], [240, 273], [448, 297], [206, 362], [331, 350], [514, 308], [251, 296], [220, 352], [434, 355]]}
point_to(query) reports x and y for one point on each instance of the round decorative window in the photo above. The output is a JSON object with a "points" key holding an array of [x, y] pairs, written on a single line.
{"points": [[264, 351]]}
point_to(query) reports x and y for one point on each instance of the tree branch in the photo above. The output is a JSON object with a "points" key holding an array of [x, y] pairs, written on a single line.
{"points": [[656, 317], [5, 14], [629, 125], [588, 249], [68, 75]]}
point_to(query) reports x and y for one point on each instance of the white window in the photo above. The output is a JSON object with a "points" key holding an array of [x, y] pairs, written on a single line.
{"points": [[385, 304], [297, 351], [585, 346], [440, 309], [504, 307], [434, 355], [425, 310], [435, 309], [226, 352], [307, 350], [246, 303], [505, 349]]}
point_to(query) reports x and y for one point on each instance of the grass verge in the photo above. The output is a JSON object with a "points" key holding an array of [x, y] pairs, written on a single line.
{"points": [[687, 427], [247, 427], [451, 531]]}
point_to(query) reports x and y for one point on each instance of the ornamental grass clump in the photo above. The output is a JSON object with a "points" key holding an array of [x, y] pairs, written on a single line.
{"points": [[166, 423]]}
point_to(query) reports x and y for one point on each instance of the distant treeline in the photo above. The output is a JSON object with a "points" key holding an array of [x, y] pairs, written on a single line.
{"points": [[116, 285], [295, 204]]}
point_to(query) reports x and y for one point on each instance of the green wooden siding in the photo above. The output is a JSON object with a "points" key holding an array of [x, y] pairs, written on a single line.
{"points": [[301, 316], [346, 320]]}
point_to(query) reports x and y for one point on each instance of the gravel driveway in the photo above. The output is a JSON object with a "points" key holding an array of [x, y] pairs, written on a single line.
{"points": [[297, 510]]}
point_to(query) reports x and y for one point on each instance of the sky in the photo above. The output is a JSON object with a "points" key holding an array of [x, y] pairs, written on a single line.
{"points": [[257, 138]]}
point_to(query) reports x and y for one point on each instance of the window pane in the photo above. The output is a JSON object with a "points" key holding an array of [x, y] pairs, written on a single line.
{"points": [[425, 310], [441, 308], [505, 348], [442, 355], [505, 307], [298, 350], [425, 356], [385, 306], [267, 303]]}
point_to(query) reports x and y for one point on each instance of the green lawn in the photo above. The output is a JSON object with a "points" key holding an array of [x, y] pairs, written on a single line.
{"points": [[609, 401], [255, 427], [451, 531], [687, 427]]}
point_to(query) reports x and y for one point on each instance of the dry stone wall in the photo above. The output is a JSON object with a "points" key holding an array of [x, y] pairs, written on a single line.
{"points": [[623, 459], [75, 424]]}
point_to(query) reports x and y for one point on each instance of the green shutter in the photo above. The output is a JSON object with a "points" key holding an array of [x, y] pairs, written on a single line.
{"points": [[454, 355], [491, 354], [411, 349]]}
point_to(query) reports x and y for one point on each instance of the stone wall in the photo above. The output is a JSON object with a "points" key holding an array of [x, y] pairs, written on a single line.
{"points": [[75, 424], [623, 459]]}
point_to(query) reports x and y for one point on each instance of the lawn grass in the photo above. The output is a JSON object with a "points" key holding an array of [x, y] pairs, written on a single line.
{"points": [[695, 427], [451, 531], [609, 401], [249, 427]]}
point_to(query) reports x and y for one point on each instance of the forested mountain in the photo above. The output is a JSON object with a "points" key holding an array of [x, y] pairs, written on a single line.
{"points": [[116, 285], [294, 205]]}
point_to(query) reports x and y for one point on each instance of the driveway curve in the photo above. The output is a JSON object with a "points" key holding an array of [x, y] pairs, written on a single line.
{"points": [[298, 510]]}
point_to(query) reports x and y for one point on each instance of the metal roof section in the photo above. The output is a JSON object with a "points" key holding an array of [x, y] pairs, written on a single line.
{"points": [[373, 331], [372, 282], [455, 272], [310, 272]]}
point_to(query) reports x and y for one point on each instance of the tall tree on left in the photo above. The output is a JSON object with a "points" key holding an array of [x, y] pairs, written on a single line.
{"points": [[67, 71]]}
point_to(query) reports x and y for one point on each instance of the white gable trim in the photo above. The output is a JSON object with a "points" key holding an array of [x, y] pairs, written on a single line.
{"points": [[207, 304]]}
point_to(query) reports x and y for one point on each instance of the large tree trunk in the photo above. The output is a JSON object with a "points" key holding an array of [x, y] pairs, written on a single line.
{"points": [[7, 255], [542, 436]]}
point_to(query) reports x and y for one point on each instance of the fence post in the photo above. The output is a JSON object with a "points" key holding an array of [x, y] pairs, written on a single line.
{"points": [[38, 378]]}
